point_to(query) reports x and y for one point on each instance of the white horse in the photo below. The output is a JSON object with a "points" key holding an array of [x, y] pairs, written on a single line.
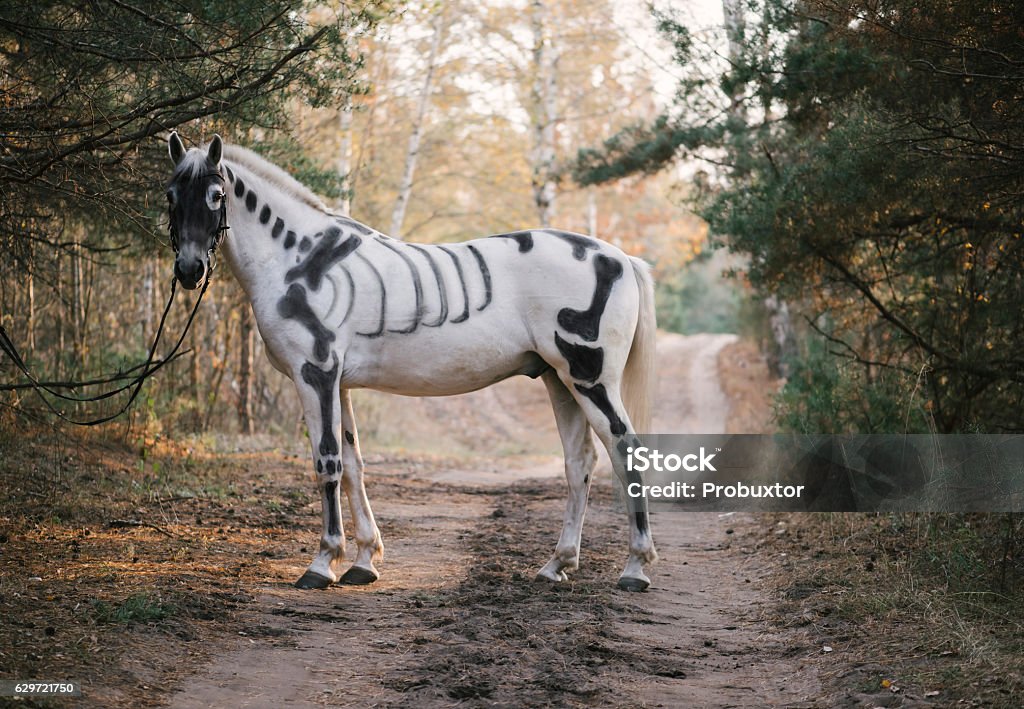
{"points": [[341, 306]]}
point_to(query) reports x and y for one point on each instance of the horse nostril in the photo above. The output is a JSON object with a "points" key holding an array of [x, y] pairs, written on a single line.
{"points": [[191, 273]]}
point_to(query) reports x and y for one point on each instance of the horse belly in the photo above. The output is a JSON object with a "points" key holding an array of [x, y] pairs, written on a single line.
{"points": [[438, 371]]}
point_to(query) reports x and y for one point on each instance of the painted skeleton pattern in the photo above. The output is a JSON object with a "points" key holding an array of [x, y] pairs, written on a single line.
{"points": [[341, 306]]}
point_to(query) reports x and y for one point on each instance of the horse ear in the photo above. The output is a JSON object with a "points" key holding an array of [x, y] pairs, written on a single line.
{"points": [[215, 150], [175, 147]]}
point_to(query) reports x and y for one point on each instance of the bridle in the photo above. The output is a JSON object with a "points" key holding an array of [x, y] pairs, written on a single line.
{"points": [[218, 232], [151, 365]]}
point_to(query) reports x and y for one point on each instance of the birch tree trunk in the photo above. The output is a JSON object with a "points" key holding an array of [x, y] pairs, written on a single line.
{"points": [[735, 27], [592, 211], [412, 152], [544, 114], [245, 371], [345, 156]]}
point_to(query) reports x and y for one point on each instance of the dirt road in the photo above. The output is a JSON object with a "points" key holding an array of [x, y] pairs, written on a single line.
{"points": [[457, 619]]}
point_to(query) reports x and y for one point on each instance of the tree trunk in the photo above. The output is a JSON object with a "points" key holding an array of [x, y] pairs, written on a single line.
{"points": [[345, 156], [31, 306], [412, 152], [592, 211], [544, 114], [735, 26], [62, 313], [220, 366], [245, 371]]}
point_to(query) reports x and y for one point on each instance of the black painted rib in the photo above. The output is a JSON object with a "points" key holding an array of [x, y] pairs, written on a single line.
{"points": [[351, 296], [383, 298], [462, 280], [442, 291], [353, 224], [417, 285], [485, 272]]}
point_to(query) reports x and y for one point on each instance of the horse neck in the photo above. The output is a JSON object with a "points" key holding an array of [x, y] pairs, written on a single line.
{"points": [[252, 253]]}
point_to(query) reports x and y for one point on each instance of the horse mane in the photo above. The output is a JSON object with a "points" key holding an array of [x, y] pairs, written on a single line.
{"points": [[274, 175]]}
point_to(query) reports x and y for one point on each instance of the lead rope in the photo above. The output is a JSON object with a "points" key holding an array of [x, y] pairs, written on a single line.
{"points": [[149, 368]]}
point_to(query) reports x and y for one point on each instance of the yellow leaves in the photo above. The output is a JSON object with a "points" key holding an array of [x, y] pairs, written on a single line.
{"points": [[986, 205]]}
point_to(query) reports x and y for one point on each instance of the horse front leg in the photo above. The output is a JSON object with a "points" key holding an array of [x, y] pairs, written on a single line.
{"points": [[319, 393], [370, 548]]}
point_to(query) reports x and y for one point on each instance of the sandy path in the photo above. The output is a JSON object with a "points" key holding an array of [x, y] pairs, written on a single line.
{"points": [[455, 619]]}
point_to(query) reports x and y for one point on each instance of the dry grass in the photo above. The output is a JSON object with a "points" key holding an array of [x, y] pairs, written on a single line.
{"points": [[874, 590], [119, 569], [933, 605]]}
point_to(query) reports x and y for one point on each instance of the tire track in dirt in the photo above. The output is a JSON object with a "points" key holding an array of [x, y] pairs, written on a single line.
{"points": [[457, 618]]}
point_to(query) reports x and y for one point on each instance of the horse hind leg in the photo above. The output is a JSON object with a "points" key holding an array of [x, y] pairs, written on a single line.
{"points": [[368, 540], [318, 392], [602, 404], [580, 457]]}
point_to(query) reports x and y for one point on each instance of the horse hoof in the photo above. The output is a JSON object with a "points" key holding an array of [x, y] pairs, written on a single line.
{"points": [[544, 578], [358, 576], [311, 579], [634, 585]]}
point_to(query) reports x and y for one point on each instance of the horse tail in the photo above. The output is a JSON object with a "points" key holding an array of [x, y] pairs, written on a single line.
{"points": [[639, 375]]}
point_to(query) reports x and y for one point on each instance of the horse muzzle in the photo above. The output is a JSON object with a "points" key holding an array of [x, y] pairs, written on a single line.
{"points": [[190, 271]]}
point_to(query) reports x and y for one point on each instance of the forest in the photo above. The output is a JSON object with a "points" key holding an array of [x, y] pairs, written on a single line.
{"points": [[837, 184]]}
